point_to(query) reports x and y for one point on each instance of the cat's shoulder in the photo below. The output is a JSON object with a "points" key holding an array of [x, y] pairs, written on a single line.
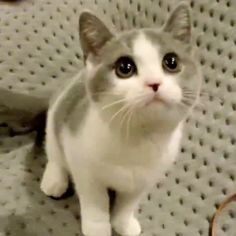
{"points": [[69, 100]]}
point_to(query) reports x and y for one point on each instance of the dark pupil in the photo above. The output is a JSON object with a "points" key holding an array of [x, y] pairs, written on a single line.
{"points": [[171, 61], [125, 67]]}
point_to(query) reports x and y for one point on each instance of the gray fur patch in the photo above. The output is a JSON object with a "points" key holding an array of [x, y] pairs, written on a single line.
{"points": [[77, 115], [114, 49], [73, 104]]}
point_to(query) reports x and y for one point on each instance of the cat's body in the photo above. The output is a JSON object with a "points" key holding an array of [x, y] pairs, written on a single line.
{"points": [[115, 161], [121, 134]]}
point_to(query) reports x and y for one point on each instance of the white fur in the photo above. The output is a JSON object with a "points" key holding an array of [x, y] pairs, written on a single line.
{"points": [[98, 159]]}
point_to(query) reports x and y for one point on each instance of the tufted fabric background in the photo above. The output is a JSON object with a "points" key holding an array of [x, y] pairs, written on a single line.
{"points": [[39, 50]]}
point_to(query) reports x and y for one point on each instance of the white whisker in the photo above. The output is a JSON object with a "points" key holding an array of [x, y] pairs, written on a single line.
{"points": [[113, 103], [129, 107], [129, 123], [118, 112], [124, 117], [104, 92]]}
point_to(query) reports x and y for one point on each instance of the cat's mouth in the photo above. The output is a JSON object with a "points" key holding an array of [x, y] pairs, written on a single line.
{"points": [[155, 100]]}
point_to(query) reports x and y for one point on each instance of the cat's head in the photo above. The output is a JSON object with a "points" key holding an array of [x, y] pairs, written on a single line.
{"points": [[148, 76]]}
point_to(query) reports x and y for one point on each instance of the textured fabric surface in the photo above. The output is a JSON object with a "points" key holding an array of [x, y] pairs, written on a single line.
{"points": [[39, 48]]}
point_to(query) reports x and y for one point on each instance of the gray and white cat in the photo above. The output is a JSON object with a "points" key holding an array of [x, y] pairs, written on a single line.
{"points": [[118, 124]]}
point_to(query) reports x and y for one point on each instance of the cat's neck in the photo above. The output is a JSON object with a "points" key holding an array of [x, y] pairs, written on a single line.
{"points": [[134, 129]]}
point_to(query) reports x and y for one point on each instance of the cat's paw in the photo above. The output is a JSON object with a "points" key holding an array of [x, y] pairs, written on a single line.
{"points": [[95, 228], [55, 181], [127, 227]]}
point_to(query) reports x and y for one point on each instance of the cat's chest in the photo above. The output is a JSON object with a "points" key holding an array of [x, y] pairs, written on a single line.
{"points": [[118, 163], [106, 145]]}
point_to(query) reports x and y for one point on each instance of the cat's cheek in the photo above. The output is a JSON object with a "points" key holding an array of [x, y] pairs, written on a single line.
{"points": [[171, 93], [130, 89]]}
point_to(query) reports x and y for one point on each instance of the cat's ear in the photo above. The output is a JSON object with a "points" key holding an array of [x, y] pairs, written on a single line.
{"points": [[93, 34], [179, 23]]}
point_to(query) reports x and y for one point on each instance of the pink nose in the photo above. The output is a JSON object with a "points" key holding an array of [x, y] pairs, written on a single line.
{"points": [[154, 86]]}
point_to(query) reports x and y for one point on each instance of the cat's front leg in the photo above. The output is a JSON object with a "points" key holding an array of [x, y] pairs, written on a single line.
{"points": [[55, 180], [124, 221], [94, 207]]}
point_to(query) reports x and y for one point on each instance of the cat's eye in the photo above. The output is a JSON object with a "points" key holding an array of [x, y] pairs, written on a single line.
{"points": [[125, 67], [171, 63]]}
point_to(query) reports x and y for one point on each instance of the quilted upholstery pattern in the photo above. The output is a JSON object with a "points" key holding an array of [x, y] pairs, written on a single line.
{"points": [[39, 50]]}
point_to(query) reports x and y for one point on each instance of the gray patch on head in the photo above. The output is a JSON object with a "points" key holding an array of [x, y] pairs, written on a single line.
{"points": [[100, 84], [165, 42], [129, 37], [114, 49], [118, 46]]}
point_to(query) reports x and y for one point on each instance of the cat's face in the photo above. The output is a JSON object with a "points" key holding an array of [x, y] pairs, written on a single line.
{"points": [[148, 74]]}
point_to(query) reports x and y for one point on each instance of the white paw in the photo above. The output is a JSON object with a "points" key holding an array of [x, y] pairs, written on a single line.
{"points": [[55, 181], [127, 227], [91, 228]]}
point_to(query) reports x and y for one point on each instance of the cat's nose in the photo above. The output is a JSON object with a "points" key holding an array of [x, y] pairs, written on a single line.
{"points": [[154, 86]]}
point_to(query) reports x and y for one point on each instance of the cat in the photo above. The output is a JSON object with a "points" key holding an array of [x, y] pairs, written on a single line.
{"points": [[118, 124]]}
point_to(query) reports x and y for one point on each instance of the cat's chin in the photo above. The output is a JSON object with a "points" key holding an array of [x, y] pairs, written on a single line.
{"points": [[156, 101]]}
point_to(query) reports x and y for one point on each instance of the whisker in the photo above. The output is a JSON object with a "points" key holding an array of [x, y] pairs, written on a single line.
{"points": [[113, 103], [140, 96], [189, 96], [118, 112], [124, 117], [187, 103], [192, 99], [193, 92], [199, 106], [127, 117], [126, 108], [122, 121], [129, 123], [104, 92], [188, 91]]}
